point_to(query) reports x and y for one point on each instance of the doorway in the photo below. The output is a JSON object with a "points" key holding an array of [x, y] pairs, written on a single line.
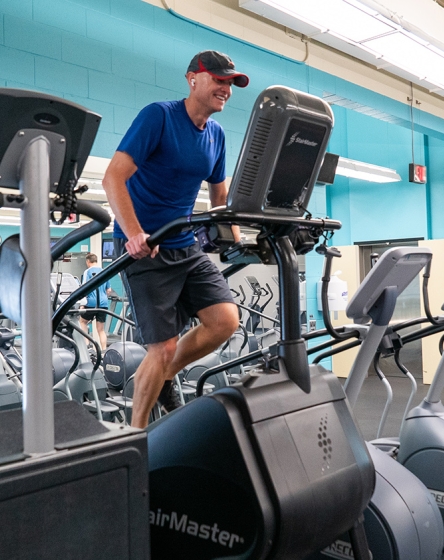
{"points": [[408, 306]]}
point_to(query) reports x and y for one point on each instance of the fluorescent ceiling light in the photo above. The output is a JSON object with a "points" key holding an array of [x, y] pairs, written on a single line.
{"points": [[350, 21], [406, 52], [357, 29], [366, 171]]}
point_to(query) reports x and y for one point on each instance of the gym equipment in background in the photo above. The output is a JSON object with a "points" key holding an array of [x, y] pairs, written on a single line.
{"points": [[401, 521], [54, 455], [421, 440]]}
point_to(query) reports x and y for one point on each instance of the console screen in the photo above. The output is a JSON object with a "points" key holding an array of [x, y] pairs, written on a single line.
{"points": [[295, 163]]}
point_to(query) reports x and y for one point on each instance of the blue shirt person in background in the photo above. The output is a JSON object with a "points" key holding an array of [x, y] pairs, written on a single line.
{"points": [[154, 177], [96, 299]]}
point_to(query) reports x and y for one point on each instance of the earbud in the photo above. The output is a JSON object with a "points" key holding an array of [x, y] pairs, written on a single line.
{"points": [[193, 82]]}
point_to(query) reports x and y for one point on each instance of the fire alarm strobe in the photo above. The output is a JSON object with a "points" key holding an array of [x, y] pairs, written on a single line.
{"points": [[417, 173]]}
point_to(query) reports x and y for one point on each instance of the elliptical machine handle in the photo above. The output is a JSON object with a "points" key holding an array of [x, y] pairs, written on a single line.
{"points": [[329, 253]]}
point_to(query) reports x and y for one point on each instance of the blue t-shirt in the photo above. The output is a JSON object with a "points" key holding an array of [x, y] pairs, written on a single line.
{"points": [[173, 157], [91, 300]]}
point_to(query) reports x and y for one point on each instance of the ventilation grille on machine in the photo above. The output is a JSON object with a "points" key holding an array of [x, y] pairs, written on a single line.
{"points": [[257, 149]]}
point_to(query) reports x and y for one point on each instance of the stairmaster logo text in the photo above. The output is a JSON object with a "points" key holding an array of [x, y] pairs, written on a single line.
{"points": [[295, 138], [181, 523], [340, 549]]}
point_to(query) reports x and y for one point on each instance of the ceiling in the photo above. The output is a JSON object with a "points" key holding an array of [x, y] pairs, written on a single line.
{"points": [[363, 29]]}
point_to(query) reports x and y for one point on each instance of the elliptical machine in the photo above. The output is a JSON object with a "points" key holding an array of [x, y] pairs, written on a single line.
{"points": [[421, 440], [402, 521]]}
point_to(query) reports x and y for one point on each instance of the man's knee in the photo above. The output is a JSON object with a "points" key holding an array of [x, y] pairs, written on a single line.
{"points": [[222, 319], [163, 352], [232, 319]]}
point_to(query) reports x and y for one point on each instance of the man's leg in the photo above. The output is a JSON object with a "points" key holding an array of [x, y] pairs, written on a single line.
{"points": [[83, 323], [217, 323], [165, 359], [102, 334], [149, 380]]}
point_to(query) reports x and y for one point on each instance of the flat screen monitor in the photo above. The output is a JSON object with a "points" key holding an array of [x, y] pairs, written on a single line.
{"points": [[282, 153], [327, 172], [107, 249]]}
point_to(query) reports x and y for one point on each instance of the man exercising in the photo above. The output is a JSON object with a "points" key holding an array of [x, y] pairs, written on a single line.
{"points": [[95, 300], [153, 178]]}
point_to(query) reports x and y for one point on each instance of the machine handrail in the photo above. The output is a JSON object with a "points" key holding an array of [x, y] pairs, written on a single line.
{"points": [[180, 224], [101, 220]]}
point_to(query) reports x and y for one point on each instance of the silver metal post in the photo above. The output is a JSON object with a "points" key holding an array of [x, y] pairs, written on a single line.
{"points": [[38, 399], [363, 360]]}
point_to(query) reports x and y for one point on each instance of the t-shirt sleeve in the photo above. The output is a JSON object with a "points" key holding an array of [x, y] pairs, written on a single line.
{"points": [[218, 175], [143, 136]]}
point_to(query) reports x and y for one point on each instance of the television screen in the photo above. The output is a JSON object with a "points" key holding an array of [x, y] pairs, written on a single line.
{"points": [[327, 172], [107, 249]]}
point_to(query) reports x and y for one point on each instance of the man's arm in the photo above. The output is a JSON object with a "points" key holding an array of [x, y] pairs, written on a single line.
{"points": [[218, 197], [120, 169]]}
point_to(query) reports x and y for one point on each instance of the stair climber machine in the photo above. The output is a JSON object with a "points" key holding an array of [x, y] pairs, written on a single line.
{"points": [[273, 467], [70, 486], [402, 520]]}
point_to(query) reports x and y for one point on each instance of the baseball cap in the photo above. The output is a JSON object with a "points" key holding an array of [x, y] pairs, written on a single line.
{"points": [[218, 65]]}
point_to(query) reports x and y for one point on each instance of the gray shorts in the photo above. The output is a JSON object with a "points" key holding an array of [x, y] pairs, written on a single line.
{"points": [[166, 291]]}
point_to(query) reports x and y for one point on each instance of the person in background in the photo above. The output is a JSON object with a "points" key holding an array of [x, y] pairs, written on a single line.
{"points": [[154, 177], [96, 299]]}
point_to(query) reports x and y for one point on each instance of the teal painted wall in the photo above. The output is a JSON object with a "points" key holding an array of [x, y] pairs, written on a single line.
{"points": [[116, 56], [435, 186], [372, 211]]}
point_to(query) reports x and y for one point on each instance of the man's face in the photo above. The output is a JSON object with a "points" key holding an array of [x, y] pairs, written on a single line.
{"points": [[212, 92]]}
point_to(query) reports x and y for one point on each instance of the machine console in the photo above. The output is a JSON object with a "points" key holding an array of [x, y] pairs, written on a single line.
{"points": [[282, 153], [70, 129]]}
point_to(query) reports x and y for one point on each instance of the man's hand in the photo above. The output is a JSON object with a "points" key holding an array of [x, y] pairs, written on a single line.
{"points": [[137, 246]]}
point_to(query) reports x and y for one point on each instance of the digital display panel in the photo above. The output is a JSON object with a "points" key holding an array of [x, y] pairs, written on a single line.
{"points": [[295, 163]]}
